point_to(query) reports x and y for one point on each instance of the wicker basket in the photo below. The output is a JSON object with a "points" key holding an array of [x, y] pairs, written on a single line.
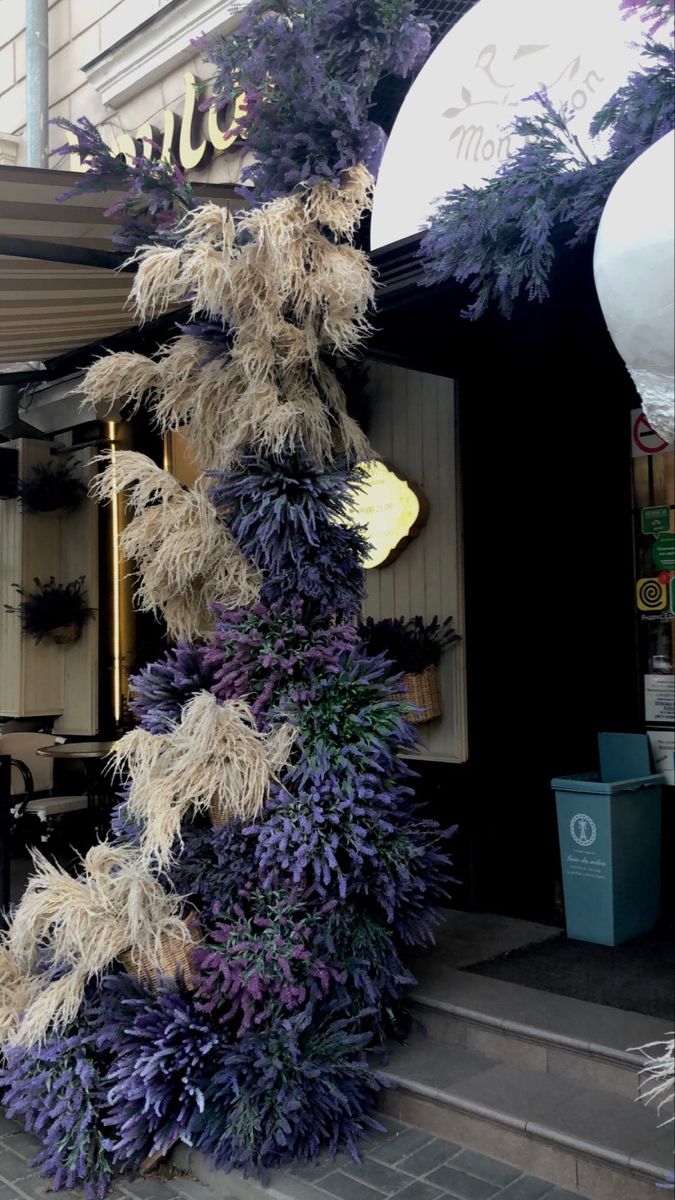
{"points": [[422, 689], [65, 635], [216, 815], [175, 957]]}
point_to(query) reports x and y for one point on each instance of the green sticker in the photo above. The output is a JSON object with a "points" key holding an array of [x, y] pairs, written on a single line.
{"points": [[671, 602], [656, 520], [663, 552]]}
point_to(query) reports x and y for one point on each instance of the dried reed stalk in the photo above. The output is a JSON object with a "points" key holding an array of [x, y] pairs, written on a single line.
{"points": [[16, 990], [122, 378], [214, 757], [81, 925], [186, 558], [290, 294], [657, 1078]]}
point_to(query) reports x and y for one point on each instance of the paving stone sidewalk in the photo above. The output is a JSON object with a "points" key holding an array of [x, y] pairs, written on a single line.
{"points": [[408, 1164], [402, 1162]]}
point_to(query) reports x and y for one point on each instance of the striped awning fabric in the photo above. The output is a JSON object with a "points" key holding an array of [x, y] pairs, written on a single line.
{"points": [[59, 289]]}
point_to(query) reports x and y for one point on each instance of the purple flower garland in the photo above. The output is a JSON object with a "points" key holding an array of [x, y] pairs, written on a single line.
{"points": [[309, 72]]}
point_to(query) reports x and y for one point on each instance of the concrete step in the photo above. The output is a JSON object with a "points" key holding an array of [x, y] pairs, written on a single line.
{"points": [[584, 1139], [571, 1039]]}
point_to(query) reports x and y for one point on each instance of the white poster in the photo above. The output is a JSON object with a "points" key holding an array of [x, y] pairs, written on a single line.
{"points": [[659, 700], [662, 742]]}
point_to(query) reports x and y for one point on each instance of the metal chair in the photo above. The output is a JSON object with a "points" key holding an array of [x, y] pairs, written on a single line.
{"points": [[32, 782]]}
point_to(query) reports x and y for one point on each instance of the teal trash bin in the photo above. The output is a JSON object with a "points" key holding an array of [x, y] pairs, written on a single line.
{"points": [[609, 826]]}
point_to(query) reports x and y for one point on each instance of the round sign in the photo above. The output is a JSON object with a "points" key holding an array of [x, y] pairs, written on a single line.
{"points": [[453, 127], [645, 439]]}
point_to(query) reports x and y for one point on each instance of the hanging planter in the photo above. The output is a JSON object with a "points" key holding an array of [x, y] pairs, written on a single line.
{"points": [[422, 690], [414, 648], [174, 961], [55, 610], [51, 488]]}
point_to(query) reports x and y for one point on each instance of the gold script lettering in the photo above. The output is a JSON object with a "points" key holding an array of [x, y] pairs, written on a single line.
{"points": [[222, 139], [191, 156], [181, 141]]}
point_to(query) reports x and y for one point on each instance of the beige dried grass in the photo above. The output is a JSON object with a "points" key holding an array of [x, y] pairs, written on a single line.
{"points": [[185, 556], [290, 293], [214, 758], [212, 223], [16, 990], [341, 208], [208, 279], [123, 378], [157, 283], [84, 923]]}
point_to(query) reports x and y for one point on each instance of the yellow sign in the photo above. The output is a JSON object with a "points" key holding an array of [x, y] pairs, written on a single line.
{"points": [[392, 509], [183, 139], [651, 594]]}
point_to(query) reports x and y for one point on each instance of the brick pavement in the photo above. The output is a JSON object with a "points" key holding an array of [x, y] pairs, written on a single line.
{"points": [[404, 1163]]}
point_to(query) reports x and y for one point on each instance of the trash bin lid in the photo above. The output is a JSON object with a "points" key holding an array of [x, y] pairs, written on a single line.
{"points": [[624, 756], [590, 781]]}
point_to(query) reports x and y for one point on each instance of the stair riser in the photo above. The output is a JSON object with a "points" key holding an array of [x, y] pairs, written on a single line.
{"points": [[591, 1177], [530, 1053]]}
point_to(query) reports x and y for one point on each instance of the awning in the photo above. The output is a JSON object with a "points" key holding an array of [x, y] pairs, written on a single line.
{"points": [[59, 287]]}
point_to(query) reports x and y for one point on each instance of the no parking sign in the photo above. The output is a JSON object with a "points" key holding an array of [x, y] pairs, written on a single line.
{"points": [[645, 440]]}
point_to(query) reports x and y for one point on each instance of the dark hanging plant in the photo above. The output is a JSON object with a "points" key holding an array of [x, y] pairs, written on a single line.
{"points": [[56, 610], [499, 238], [410, 646], [50, 487]]}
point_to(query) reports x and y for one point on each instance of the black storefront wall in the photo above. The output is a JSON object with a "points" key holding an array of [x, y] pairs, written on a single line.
{"points": [[544, 403]]}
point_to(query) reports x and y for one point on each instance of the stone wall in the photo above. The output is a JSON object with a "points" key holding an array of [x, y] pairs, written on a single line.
{"points": [[101, 35]]}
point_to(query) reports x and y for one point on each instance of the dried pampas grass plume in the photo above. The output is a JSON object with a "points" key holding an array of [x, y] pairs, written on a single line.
{"points": [[212, 223], [185, 556], [157, 285], [80, 925], [340, 208], [214, 760], [16, 990], [657, 1078], [288, 293], [165, 275], [118, 379]]}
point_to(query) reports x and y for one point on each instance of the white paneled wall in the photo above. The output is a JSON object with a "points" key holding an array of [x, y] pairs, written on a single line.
{"points": [[413, 428], [31, 676], [79, 556], [46, 679]]}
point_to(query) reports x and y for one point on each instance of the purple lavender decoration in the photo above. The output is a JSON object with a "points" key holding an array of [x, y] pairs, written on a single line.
{"points": [[264, 1056], [654, 13], [288, 517], [160, 690], [58, 1091], [276, 653], [301, 1086], [156, 194], [162, 1054], [499, 238], [309, 72]]}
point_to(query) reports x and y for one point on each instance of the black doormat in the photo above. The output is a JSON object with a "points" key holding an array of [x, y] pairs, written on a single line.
{"points": [[638, 976]]}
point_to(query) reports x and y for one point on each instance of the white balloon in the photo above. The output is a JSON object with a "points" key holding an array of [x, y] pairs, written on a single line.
{"points": [[635, 276]]}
